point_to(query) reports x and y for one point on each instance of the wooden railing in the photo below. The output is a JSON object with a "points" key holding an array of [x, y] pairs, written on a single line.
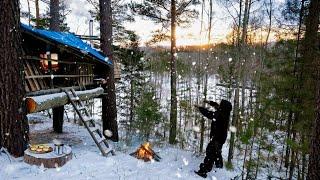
{"points": [[81, 74]]}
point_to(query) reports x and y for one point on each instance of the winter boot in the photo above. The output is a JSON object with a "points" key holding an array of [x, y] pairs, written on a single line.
{"points": [[219, 163], [201, 173]]}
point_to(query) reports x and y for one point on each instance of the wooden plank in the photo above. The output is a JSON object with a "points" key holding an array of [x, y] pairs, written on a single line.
{"points": [[57, 76], [26, 87], [36, 72], [32, 74], [30, 81]]}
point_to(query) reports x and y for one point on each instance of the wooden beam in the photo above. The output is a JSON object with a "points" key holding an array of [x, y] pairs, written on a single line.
{"points": [[43, 102], [34, 58], [57, 90], [58, 76]]}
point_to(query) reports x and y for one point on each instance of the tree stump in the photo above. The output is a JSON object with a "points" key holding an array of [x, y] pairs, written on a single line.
{"points": [[49, 160]]}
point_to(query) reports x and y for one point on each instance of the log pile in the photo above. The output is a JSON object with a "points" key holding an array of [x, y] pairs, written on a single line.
{"points": [[146, 153]]}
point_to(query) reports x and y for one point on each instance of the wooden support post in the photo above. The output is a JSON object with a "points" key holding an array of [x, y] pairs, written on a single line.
{"points": [[58, 119]]}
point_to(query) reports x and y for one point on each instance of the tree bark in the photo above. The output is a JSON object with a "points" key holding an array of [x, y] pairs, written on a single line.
{"points": [[311, 54], [37, 12], [245, 22], [173, 108], [14, 128], [55, 26], [109, 109], [54, 13]]}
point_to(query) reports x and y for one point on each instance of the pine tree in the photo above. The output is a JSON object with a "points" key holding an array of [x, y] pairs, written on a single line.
{"points": [[132, 81], [42, 21], [311, 56], [109, 109], [170, 14], [14, 128]]}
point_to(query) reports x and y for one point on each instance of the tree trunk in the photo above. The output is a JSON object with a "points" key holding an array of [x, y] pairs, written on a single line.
{"points": [[29, 13], [314, 158], [233, 123], [43, 102], [14, 128], [199, 80], [269, 11], [55, 26], [54, 13], [311, 54], [37, 12], [109, 109], [245, 21], [173, 109]]}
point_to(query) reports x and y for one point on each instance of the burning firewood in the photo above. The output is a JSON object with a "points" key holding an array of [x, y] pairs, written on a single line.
{"points": [[146, 153]]}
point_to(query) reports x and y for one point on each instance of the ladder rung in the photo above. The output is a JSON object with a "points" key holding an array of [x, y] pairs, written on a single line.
{"points": [[101, 139], [81, 108], [109, 150], [74, 98], [87, 118], [92, 129]]}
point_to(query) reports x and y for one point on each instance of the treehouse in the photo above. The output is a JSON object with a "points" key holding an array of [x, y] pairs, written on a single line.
{"points": [[57, 59], [57, 62]]}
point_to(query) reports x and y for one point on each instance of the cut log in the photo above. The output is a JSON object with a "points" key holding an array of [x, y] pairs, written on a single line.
{"points": [[48, 160], [40, 103]]}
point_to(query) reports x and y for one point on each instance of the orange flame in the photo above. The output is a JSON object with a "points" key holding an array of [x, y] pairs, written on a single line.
{"points": [[144, 152]]}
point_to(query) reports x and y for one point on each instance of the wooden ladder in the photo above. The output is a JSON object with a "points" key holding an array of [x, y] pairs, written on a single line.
{"points": [[89, 123]]}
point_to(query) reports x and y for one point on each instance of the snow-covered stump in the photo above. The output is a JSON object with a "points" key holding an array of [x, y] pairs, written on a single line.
{"points": [[48, 160]]}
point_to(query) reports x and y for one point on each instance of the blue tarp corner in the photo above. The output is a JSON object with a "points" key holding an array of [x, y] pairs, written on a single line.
{"points": [[67, 39]]}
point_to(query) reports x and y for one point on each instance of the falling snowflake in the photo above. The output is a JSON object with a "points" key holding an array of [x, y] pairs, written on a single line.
{"points": [[196, 128], [194, 63], [178, 175], [213, 178], [52, 76], [233, 129], [251, 119], [185, 161], [175, 54], [230, 59], [84, 51], [108, 133], [57, 167]]}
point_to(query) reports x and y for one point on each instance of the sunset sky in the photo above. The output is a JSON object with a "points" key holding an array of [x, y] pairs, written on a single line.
{"points": [[79, 17]]}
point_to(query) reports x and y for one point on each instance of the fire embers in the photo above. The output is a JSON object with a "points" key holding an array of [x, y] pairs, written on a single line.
{"points": [[146, 153]]}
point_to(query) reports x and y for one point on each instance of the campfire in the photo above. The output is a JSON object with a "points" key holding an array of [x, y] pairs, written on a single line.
{"points": [[146, 153]]}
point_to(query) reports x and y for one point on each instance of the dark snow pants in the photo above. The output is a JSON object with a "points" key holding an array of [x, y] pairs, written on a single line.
{"points": [[213, 156]]}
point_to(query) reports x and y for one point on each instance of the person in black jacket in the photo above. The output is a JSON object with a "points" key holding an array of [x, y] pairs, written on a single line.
{"points": [[218, 135]]}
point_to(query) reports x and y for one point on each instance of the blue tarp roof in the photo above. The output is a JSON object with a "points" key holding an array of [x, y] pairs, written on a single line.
{"points": [[67, 39]]}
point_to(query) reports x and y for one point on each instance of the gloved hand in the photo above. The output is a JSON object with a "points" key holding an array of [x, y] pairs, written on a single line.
{"points": [[213, 104]]}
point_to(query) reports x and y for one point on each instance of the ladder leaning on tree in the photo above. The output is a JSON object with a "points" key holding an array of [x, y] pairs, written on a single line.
{"points": [[89, 123]]}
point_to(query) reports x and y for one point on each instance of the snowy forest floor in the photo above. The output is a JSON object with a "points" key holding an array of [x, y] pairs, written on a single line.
{"points": [[87, 163]]}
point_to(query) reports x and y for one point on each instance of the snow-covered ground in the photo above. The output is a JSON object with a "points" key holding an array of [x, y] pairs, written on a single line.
{"points": [[87, 163]]}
